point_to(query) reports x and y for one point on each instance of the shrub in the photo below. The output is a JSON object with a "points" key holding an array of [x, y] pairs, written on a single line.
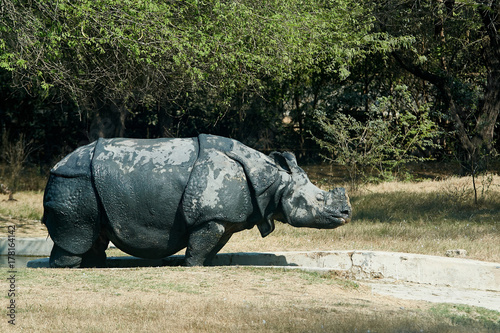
{"points": [[397, 131]]}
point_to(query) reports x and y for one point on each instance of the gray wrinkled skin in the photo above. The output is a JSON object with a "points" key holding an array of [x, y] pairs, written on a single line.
{"points": [[152, 198]]}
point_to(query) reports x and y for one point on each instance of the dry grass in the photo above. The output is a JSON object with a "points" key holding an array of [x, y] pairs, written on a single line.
{"points": [[27, 205], [217, 299], [426, 217], [25, 212], [448, 185]]}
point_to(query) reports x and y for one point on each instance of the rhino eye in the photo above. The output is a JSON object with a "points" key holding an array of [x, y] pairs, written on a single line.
{"points": [[320, 197]]}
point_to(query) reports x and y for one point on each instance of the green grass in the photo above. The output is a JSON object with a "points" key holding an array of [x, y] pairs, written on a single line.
{"points": [[465, 315]]}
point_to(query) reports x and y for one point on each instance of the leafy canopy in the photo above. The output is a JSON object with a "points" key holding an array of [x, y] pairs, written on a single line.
{"points": [[150, 50]]}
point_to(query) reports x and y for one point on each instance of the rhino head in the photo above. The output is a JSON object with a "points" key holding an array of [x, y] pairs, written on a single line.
{"points": [[305, 205]]}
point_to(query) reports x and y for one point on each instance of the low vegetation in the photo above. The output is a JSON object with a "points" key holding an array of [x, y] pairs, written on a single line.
{"points": [[222, 299]]}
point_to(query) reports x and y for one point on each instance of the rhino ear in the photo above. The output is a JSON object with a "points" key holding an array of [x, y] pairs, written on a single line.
{"points": [[285, 161]]}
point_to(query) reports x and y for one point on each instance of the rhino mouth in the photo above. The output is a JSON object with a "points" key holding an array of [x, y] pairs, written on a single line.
{"points": [[340, 218]]}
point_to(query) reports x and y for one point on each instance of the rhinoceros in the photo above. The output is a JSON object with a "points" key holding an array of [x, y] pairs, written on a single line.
{"points": [[155, 197]]}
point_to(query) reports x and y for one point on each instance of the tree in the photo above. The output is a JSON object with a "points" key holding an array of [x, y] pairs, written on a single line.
{"points": [[457, 50], [110, 56]]}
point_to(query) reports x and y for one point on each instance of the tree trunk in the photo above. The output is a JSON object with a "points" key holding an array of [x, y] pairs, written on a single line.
{"points": [[491, 107], [478, 140], [108, 122]]}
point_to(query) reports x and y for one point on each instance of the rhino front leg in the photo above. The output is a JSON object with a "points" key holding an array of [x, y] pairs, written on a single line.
{"points": [[205, 242]]}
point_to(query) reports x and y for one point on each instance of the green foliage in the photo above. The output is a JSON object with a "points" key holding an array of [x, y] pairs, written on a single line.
{"points": [[238, 68], [134, 50], [396, 131], [180, 68], [456, 50], [464, 315], [413, 130]]}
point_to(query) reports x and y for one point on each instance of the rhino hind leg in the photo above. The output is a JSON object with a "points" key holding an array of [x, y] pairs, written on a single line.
{"points": [[95, 257], [204, 243], [60, 258], [73, 220]]}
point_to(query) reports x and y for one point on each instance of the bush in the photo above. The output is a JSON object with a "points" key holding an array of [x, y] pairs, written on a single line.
{"points": [[15, 155], [397, 131]]}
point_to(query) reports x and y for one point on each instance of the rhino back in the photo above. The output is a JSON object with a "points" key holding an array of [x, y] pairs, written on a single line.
{"points": [[75, 164], [140, 184]]}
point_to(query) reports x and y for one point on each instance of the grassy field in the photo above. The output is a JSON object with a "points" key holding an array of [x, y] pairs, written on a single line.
{"points": [[222, 299], [426, 217]]}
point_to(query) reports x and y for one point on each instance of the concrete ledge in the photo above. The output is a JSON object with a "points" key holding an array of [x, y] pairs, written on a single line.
{"points": [[34, 247], [425, 269], [363, 265]]}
